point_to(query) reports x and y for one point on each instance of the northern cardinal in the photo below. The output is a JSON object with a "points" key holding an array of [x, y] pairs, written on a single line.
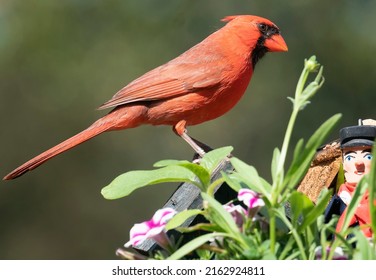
{"points": [[201, 84]]}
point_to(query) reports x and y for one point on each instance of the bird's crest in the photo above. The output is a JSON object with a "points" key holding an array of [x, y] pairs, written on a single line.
{"points": [[229, 18]]}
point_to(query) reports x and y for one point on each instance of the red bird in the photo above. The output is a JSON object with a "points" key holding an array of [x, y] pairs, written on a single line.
{"points": [[201, 84]]}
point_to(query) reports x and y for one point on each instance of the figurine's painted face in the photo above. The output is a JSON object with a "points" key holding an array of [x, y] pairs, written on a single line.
{"points": [[356, 163]]}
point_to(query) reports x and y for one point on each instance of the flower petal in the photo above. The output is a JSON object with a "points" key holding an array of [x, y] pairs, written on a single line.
{"points": [[148, 229], [250, 198], [162, 216], [237, 212]]}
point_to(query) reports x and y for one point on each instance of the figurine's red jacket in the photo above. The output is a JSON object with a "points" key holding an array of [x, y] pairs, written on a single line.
{"points": [[362, 213]]}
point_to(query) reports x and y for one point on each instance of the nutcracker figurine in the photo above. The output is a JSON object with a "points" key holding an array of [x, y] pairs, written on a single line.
{"points": [[356, 144]]}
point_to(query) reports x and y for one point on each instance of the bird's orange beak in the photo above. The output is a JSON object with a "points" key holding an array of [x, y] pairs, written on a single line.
{"points": [[276, 43]]}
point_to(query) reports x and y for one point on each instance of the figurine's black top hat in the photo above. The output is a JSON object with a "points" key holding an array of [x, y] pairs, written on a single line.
{"points": [[357, 136]]}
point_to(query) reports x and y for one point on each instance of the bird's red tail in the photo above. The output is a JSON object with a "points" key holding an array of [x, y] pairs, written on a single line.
{"points": [[121, 117], [75, 140]]}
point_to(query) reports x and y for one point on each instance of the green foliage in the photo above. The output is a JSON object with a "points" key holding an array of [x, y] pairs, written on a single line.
{"points": [[189, 247], [286, 225], [247, 175], [169, 171], [372, 192], [303, 156], [128, 182]]}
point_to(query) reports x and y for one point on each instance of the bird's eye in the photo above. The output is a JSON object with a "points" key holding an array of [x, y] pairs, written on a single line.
{"points": [[263, 27]]}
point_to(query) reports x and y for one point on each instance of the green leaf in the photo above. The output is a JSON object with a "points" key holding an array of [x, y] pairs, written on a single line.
{"points": [[300, 205], [200, 226], [340, 177], [211, 159], [167, 162], [275, 160], [365, 250], [323, 131], [181, 217], [292, 100], [232, 181], [298, 149], [287, 248], [314, 213], [194, 244], [218, 215], [301, 163], [201, 173], [250, 176], [293, 231], [372, 192], [126, 183], [312, 88]]}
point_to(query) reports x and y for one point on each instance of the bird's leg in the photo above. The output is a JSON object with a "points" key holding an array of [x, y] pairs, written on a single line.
{"points": [[180, 130], [193, 144]]}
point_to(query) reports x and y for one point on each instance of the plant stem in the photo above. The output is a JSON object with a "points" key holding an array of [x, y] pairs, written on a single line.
{"points": [[286, 141], [301, 99], [278, 183], [272, 222]]}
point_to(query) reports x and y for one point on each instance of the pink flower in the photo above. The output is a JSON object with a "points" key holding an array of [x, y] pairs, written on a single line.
{"points": [[250, 198], [237, 212], [153, 228]]}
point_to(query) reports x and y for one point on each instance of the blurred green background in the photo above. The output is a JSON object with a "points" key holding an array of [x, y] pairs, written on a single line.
{"points": [[59, 60]]}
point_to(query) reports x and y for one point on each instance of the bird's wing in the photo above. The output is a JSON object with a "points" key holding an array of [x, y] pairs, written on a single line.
{"points": [[169, 80]]}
